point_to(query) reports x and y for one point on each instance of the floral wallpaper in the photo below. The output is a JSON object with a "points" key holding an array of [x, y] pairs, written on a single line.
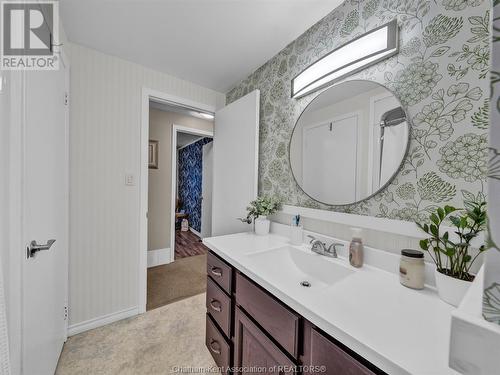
{"points": [[441, 76], [190, 166], [491, 296]]}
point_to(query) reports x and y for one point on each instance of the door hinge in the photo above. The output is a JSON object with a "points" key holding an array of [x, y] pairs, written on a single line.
{"points": [[66, 98], [66, 312]]}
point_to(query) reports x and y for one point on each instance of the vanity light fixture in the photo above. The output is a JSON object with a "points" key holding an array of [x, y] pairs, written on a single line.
{"points": [[367, 49]]}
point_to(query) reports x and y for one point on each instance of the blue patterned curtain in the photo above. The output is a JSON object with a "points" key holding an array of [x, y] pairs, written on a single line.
{"points": [[190, 162]]}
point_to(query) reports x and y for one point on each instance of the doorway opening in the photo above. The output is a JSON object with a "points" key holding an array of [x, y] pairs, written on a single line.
{"points": [[179, 201], [193, 196]]}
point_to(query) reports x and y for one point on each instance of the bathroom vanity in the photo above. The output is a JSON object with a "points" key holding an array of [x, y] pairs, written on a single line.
{"points": [[272, 305], [250, 327]]}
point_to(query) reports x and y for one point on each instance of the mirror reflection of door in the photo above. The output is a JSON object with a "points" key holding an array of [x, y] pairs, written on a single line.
{"points": [[349, 142], [329, 151]]}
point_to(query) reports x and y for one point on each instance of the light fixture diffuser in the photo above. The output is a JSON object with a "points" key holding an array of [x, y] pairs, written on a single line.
{"points": [[367, 49]]}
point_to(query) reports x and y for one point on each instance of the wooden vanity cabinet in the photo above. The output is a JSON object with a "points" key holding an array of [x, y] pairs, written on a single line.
{"points": [[220, 307], [220, 272], [253, 348], [218, 346], [276, 319], [248, 327], [320, 350]]}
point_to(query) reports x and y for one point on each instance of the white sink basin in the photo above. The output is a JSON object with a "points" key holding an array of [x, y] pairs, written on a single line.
{"points": [[289, 266]]}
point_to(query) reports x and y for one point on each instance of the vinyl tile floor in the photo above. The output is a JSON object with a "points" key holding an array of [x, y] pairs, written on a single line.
{"points": [[165, 340]]}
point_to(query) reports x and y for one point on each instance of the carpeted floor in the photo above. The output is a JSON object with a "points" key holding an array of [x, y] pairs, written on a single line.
{"points": [[153, 343], [172, 282]]}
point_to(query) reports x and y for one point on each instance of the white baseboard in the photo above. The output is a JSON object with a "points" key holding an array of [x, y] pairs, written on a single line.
{"points": [[77, 328], [158, 257], [195, 232]]}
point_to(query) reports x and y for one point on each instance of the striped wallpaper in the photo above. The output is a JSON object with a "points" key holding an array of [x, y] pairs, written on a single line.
{"points": [[105, 120]]}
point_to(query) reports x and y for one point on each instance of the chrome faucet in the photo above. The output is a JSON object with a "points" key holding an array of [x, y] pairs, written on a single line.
{"points": [[319, 247]]}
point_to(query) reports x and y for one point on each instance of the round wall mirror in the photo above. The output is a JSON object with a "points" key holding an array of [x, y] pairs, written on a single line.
{"points": [[349, 142]]}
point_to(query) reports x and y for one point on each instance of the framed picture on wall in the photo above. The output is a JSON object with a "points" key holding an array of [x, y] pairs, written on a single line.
{"points": [[153, 154]]}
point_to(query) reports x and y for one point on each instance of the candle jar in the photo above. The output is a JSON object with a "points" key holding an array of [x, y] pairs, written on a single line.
{"points": [[412, 269]]}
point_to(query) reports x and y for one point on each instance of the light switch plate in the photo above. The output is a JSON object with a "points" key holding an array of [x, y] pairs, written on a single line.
{"points": [[129, 179]]}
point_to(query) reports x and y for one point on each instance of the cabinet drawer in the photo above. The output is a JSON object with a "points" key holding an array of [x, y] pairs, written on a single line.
{"points": [[220, 272], [280, 322], [219, 306], [217, 345], [254, 349]]}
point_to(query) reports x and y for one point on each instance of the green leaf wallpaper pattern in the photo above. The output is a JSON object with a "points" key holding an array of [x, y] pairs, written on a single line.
{"points": [[476, 55], [460, 4], [491, 296], [494, 165], [481, 118], [466, 157], [491, 303], [449, 143], [441, 29]]}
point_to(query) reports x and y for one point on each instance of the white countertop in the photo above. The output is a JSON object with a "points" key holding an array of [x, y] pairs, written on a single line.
{"points": [[400, 330]]}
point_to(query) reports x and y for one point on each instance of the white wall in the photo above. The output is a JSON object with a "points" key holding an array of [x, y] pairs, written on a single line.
{"points": [[160, 180], [104, 146]]}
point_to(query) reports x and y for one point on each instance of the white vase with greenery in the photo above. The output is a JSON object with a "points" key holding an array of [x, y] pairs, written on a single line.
{"points": [[454, 258], [259, 210]]}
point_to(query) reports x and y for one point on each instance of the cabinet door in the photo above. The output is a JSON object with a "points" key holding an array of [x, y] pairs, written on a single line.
{"points": [[325, 357], [255, 353]]}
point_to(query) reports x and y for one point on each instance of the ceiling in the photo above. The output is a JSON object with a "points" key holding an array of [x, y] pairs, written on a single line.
{"points": [[213, 43]]}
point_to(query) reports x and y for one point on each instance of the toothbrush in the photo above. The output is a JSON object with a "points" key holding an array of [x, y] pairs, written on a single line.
{"points": [[296, 220]]}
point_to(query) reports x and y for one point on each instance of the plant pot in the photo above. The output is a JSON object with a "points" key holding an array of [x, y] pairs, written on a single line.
{"points": [[450, 289], [262, 225]]}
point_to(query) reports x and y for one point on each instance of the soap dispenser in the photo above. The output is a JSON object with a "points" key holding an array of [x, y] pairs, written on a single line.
{"points": [[356, 248]]}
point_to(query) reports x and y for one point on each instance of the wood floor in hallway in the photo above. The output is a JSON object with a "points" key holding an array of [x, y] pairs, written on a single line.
{"points": [[188, 244]]}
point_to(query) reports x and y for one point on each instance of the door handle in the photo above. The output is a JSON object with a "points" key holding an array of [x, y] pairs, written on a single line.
{"points": [[34, 248]]}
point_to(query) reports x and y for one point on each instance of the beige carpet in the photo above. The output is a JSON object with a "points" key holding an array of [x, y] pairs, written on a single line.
{"points": [[152, 343], [172, 282]]}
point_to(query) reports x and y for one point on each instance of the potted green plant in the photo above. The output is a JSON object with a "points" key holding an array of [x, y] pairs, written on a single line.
{"points": [[454, 257], [258, 211]]}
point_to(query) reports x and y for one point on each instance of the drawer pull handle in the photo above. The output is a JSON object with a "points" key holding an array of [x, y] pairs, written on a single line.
{"points": [[216, 271], [215, 305], [216, 349]]}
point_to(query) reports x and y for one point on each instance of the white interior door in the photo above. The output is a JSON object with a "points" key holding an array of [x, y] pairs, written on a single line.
{"points": [[330, 154], [45, 195], [206, 190], [236, 148]]}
